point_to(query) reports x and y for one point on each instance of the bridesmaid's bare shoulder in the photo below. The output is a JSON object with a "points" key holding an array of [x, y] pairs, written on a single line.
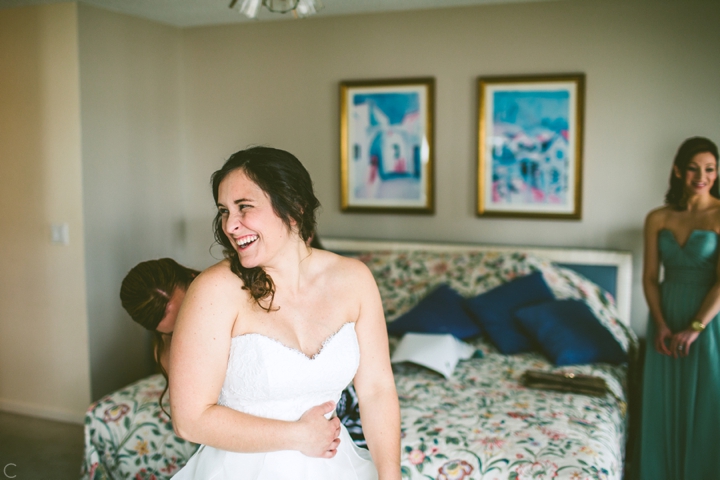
{"points": [[657, 218]]}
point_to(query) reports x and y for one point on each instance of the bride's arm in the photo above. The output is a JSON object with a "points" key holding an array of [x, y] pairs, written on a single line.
{"points": [[374, 382], [198, 361]]}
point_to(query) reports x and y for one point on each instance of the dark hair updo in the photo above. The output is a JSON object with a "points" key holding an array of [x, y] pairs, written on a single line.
{"points": [[145, 293], [675, 196], [288, 185], [148, 286]]}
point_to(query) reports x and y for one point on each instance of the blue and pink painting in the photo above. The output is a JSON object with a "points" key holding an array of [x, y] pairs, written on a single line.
{"points": [[530, 148], [385, 139]]}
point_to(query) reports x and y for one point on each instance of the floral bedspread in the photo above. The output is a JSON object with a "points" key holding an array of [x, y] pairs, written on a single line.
{"points": [[480, 424], [128, 436], [483, 424]]}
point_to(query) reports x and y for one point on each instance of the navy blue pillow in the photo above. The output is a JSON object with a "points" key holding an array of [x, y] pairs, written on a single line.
{"points": [[442, 311], [569, 333], [494, 311]]}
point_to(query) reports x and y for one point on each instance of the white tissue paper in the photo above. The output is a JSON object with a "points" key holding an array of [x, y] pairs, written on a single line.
{"points": [[439, 352]]}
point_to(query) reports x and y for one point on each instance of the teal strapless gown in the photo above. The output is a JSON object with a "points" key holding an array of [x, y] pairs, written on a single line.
{"points": [[680, 436]]}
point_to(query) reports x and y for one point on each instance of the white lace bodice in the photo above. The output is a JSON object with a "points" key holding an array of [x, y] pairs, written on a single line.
{"points": [[268, 379]]}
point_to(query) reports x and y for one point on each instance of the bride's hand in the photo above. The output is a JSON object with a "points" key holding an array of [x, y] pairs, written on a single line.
{"points": [[319, 436]]}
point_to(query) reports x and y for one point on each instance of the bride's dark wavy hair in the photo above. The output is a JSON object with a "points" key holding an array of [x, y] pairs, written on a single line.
{"points": [[286, 181], [675, 196]]}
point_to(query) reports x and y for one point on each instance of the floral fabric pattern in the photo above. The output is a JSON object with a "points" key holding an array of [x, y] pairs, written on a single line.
{"points": [[483, 423], [128, 436], [406, 277]]}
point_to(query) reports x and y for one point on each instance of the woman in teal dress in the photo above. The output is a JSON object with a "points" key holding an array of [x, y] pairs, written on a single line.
{"points": [[681, 390]]}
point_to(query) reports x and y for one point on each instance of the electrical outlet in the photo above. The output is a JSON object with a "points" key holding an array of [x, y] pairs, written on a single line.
{"points": [[60, 234]]}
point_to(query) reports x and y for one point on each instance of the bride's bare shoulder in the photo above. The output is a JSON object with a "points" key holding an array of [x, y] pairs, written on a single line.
{"points": [[345, 270], [217, 278]]}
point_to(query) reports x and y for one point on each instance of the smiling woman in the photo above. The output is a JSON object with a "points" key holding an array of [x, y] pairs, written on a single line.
{"points": [[680, 419], [270, 182], [267, 339]]}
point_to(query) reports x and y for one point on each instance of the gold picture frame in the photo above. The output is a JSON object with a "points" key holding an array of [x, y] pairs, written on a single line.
{"points": [[530, 144], [387, 149]]}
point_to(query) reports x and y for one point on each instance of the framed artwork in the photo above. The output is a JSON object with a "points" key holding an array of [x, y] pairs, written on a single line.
{"points": [[386, 145], [530, 146]]}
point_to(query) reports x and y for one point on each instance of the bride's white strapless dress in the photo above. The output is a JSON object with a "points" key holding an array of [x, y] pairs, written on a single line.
{"points": [[267, 379]]}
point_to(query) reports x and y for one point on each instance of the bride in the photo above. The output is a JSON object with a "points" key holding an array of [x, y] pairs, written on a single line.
{"points": [[268, 338]]}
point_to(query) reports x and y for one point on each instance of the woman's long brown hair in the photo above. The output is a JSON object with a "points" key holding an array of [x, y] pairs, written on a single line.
{"points": [[286, 181], [675, 196]]}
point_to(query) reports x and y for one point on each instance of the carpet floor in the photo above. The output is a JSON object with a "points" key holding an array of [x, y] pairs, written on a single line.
{"points": [[38, 449]]}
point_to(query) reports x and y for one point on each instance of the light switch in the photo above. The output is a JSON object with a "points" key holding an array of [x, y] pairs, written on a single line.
{"points": [[60, 234]]}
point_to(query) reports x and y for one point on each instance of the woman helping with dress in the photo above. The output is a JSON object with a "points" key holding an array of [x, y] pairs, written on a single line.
{"points": [[681, 385], [152, 293], [268, 338]]}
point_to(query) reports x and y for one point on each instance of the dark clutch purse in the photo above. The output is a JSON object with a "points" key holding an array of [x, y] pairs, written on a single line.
{"points": [[565, 382]]}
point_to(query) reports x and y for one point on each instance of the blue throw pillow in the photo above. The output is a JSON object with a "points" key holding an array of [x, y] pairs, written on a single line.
{"points": [[569, 333], [494, 311], [442, 311]]}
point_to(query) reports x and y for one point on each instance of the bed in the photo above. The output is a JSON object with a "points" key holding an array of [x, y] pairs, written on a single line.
{"points": [[482, 422]]}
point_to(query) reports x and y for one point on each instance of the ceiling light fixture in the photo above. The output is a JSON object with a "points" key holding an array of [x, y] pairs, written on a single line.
{"points": [[300, 8]]}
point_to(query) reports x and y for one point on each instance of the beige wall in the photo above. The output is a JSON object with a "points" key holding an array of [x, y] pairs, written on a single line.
{"points": [[44, 367], [652, 80], [132, 187]]}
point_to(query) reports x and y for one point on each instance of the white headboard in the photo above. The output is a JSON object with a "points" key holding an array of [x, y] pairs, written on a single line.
{"points": [[621, 261]]}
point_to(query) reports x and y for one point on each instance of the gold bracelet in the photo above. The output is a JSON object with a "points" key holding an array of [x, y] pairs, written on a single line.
{"points": [[697, 326]]}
